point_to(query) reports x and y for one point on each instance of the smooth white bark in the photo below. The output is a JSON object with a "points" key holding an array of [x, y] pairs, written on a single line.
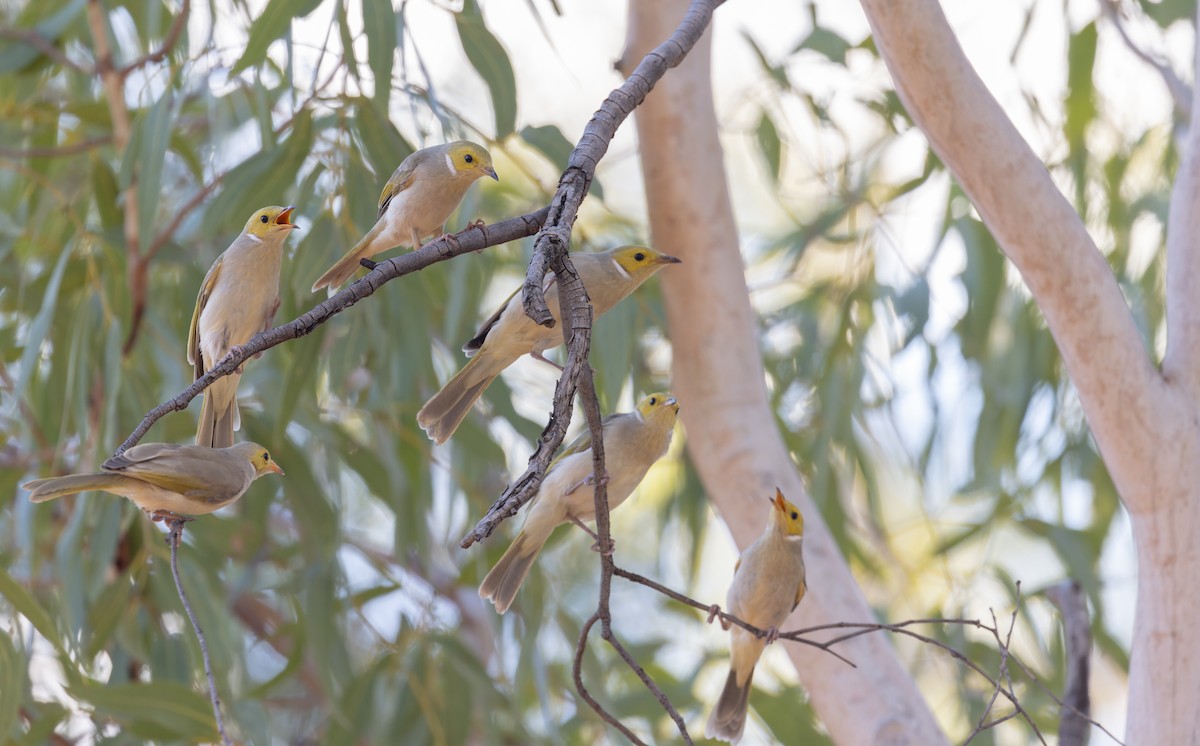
{"points": [[718, 377], [1147, 425]]}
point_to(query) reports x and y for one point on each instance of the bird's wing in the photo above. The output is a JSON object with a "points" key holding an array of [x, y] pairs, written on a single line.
{"points": [[800, 591], [584, 441], [477, 341], [193, 342], [402, 178], [165, 465]]}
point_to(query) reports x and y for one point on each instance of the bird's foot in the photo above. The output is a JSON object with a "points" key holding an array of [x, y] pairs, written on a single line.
{"points": [[476, 223], [714, 612], [368, 263], [538, 356], [771, 635], [606, 551], [174, 521], [235, 351]]}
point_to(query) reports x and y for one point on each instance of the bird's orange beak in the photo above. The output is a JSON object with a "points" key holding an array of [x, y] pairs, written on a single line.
{"points": [[780, 505], [274, 466], [283, 217]]}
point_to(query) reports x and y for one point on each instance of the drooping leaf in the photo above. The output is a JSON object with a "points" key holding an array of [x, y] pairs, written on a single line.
{"points": [[489, 59]]}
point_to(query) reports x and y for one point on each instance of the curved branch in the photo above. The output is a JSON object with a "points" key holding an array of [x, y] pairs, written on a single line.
{"points": [[1121, 392], [169, 41], [474, 238]]}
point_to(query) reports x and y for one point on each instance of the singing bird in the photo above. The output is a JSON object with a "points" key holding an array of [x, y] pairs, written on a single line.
{"points": [[609, 276], [168, 480], [415, 203], [768, 583], [633, 441], [238, 299]]}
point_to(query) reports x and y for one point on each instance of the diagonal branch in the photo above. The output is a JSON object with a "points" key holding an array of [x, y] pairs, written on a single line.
{"points": [[35, 39], [1038, 229], [550, 249], [169, 41], [475, 238]]}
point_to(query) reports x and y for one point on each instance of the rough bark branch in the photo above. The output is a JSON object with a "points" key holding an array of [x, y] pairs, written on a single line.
{"points": [[1068, 596], [1121, 392], [1183, 262], [553, 241], [474, 238]]}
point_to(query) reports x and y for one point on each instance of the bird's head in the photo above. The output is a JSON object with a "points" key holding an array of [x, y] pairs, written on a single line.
{"points": [[787, 517], [470, 160], [640, 262], [659, 409], [270, 222], [259, 458]]}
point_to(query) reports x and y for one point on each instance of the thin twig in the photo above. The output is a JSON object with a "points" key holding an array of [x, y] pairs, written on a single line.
{"points": [[46, 46], [173, 538], [169, 41], [474, 238], [55, 151], [180, 214], [577, 672]]}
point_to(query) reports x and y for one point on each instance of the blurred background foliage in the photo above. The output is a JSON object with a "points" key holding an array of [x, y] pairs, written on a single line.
{"points": [[916, 384]]}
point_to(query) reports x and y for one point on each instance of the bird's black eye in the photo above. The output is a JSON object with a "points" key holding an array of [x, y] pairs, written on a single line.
{"points": [[639, 257], [653, 400], [267, 457], [265, 219], [469, 158], [794, 516]]}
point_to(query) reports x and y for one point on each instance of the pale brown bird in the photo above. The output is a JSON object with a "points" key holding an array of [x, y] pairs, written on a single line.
{"points": [[238, 299], [768, 584], [609, 277], [168, 480], [633, 441]]}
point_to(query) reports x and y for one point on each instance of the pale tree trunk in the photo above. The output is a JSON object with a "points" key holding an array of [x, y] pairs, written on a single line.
{"points": [[1146, 423], [718, 376]]}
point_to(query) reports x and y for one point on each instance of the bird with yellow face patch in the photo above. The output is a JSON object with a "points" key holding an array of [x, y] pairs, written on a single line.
{"points": [[768, 584], [633, 441], [415, 203], [609, 276], [238, 299], [168, 480]]}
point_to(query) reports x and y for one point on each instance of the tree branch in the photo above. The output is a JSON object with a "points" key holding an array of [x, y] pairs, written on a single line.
{"points": [[475, 238], [553, 241], [169, 41], [1121, 392], [1068, 596], [174, 536], [47, 47]]}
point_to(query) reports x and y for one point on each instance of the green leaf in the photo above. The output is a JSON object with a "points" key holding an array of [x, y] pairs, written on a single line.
{"points": [[379, 22], [384, 145], [275, 21], [13, 683], [17, 56], [769, 144], [489, 59], [776, 73], [27, 606], [827, 43], [176, 709], [150, 141]]}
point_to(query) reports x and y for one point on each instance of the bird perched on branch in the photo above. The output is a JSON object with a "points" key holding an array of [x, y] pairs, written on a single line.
{"points": [[609, 276], [238, 299], [633, 441], [415, 203], [768, 583], [168, 480]]}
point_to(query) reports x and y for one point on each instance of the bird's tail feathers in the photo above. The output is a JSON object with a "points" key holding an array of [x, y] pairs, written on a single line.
{"points": [[502, 583], [728, 718], [446, 409], [218, 420], [344, 268], [41, 490]]}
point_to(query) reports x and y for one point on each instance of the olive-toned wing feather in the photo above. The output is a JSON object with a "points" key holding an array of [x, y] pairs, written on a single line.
{"points": [[402, 178], [584, 441], [204, 474], [193, 342], [800, 591]]}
